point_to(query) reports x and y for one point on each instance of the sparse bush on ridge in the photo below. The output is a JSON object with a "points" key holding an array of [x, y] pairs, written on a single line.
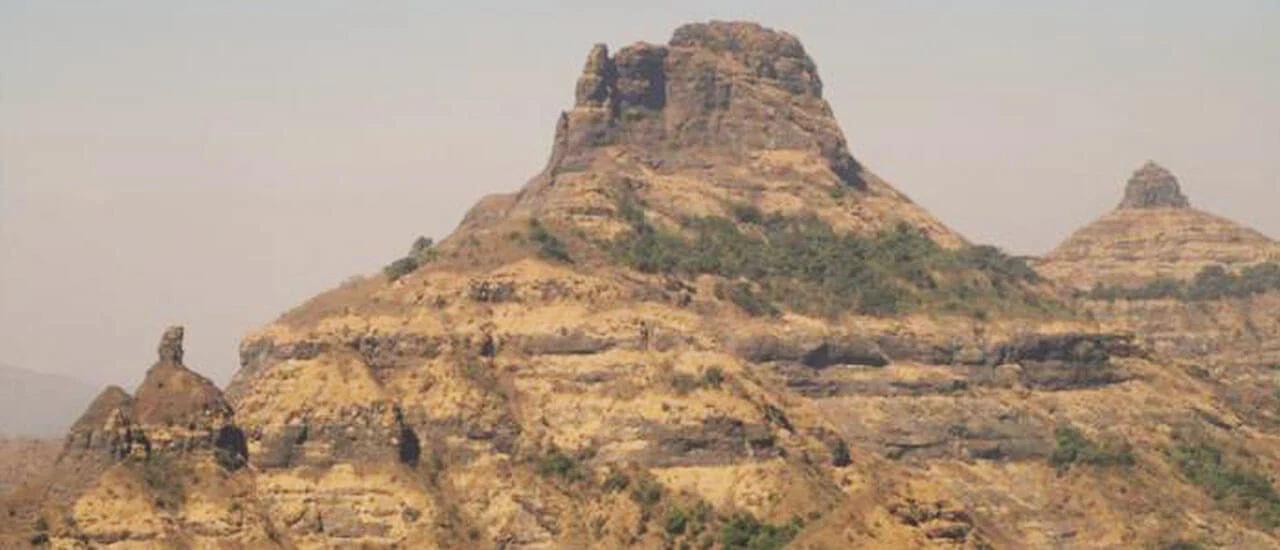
{"points": [[1211, 283], [422, 252]]}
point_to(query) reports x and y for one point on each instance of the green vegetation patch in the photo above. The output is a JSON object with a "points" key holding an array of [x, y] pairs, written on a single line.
{"points": [[1072, 447], [805, 264], [422, 252], [561, 466], [743, 531], [1238, 489], [549, 245], [1211, 283], [840, 455]]}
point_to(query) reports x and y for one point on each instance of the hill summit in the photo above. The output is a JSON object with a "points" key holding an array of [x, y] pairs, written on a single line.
{"points": [[1154, 233]]}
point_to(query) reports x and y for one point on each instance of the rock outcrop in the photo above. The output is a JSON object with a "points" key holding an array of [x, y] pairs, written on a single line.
{"points": [[731, 90], [1152, 186]]}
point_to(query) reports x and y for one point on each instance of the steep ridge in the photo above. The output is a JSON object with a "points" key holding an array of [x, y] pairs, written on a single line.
{"points": [[1155, 232], [703, 325]]}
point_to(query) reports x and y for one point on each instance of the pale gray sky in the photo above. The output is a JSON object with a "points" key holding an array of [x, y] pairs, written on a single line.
{"points": [[216, 163]]}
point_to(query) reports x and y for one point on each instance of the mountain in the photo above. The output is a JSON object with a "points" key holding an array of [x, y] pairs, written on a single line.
{"points": [[1155, 232], [1200, 289], [703, 325], [38, 404]]}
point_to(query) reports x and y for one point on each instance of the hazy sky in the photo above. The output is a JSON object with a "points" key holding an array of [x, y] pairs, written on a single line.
{"points": [[216, 164]]}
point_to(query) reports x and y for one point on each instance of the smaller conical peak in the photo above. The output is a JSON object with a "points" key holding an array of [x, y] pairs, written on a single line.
{"points": [[109, 402], [1153, 186], [170, 349]]}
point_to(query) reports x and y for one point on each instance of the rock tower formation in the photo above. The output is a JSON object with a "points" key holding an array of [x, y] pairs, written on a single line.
{"points": [[1152, 186]]}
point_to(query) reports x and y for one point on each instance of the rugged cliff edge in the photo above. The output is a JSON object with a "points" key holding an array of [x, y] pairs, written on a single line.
{"points": [[703, 325]]}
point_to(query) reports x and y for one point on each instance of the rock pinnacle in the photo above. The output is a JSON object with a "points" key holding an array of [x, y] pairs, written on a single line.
{"points": [[1152, 186]]}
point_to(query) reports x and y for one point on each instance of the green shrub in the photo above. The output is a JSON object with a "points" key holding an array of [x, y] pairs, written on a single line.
{"points": [[1212, 283], [748, 213], [561, 466], [549, 246], [712, 377], [616, 481], [683, 383], [676, 521], [422, 252], [840, 455], [399, 268], [1239, 490], [1072, 447], [744, 532], [646, 492]]}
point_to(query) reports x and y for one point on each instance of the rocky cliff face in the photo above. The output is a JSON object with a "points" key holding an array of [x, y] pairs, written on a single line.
{"points": [[1154, 233], [531, 384]]}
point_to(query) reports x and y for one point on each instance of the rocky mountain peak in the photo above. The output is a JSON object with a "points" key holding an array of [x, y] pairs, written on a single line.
{"points": [[1153, 186], [718, 90]]}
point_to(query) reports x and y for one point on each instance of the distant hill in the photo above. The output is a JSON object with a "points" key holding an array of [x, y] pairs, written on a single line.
{"points": [[1154, 233], [33, 403]]}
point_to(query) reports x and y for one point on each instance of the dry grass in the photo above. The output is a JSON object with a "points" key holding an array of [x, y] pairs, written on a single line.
{"points": [[22, 459]]}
